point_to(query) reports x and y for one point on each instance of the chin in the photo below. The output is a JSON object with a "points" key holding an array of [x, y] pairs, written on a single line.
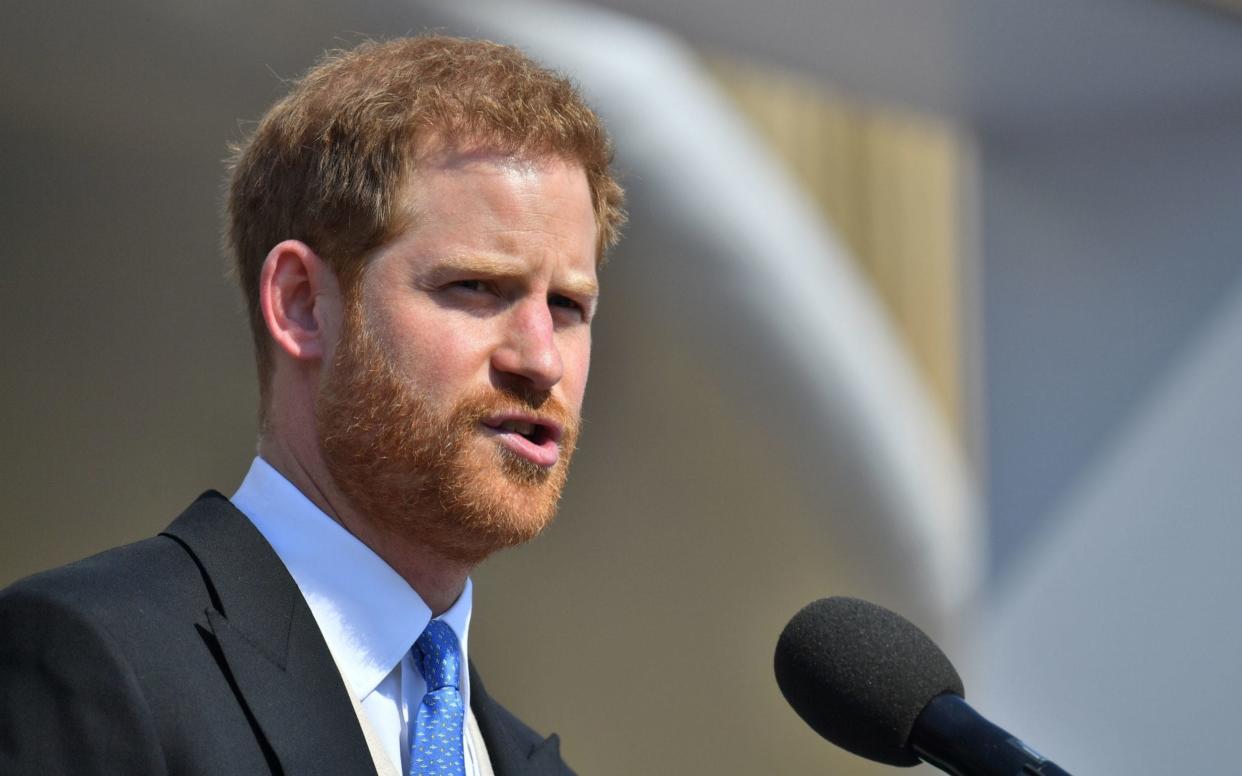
{"points": [[497, 510]]}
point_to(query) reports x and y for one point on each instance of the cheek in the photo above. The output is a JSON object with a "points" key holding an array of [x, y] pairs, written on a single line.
{"points": [[438, 356], [445, 364], [577, 360]]}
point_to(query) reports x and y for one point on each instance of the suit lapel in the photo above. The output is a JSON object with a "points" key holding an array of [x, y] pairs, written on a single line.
{"points": [[273, 650], [510, 754]]}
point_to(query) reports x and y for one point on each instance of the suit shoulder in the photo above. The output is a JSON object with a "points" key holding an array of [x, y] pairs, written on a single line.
{"points": [[70, 699], [134, 579]]}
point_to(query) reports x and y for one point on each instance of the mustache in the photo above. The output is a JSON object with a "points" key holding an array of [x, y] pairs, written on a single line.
{"points": [[518, 399]]}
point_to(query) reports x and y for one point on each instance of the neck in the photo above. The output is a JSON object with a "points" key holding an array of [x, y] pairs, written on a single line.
{"points": [[437, 580]]}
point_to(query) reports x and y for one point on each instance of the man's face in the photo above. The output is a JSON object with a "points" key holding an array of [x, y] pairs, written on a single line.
{"points": [[451, 407]]}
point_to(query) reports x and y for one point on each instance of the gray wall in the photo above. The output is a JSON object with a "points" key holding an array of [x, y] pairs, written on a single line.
{"points": [[1113, 644], [1106, 250]]}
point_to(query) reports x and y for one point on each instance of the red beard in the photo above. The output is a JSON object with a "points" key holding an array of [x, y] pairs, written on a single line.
{"points": [[433, 477]]}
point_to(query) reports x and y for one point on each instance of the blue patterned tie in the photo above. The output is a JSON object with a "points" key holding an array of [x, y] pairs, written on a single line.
{"points": [[436, 750]]}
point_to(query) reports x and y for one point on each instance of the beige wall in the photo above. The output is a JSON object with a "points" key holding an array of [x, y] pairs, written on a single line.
{"points": [[128, 389], [890, 182]]}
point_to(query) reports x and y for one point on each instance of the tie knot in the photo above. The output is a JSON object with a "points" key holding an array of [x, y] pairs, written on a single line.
{"points": [[438, 656]]}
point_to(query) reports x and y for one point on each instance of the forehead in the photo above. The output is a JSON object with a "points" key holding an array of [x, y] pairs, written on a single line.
{"points": [[462, 204], [480, 186]]}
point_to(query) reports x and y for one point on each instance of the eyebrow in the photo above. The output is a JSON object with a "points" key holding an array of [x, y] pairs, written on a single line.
{"points": [[491, 267]]}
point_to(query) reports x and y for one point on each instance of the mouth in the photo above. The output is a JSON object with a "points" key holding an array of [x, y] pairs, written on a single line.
{"points": [[528, 436]]}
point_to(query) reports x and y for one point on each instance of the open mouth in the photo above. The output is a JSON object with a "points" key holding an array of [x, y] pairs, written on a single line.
{"points": [[535, 433], [534, 439]]}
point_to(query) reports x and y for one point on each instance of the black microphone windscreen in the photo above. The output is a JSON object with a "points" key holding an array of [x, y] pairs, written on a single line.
{"points": [[859, 675]]}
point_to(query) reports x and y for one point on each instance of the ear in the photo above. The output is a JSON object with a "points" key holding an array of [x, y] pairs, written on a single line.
{"points": [[301, 301]]}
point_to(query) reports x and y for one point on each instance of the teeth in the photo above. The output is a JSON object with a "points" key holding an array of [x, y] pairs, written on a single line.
{"points": [[518, 426]]}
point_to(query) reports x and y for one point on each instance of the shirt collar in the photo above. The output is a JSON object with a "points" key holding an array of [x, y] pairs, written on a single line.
{"points": [[369, 616]]}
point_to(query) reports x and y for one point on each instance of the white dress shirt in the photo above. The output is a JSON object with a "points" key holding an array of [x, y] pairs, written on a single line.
{"points": [[369, 616]]}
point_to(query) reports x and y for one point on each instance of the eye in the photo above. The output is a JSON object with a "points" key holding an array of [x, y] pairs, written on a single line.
{"points": [[569, 305], [478, 286], [475, 294]]}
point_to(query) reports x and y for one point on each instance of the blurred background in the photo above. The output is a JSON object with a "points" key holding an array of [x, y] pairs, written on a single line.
{"points": [[932, 302]]}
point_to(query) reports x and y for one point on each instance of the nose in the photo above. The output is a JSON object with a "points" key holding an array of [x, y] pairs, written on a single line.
{"points": [[528, 349]]}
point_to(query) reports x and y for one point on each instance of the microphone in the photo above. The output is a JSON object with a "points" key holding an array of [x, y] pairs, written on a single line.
{"points": [[875, 685]]}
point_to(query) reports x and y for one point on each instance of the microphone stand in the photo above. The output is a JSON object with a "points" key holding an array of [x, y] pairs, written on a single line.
{"points": [[955, 738]]}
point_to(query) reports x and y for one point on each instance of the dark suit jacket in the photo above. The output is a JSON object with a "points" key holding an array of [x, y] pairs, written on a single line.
{"points": [[192, 653]]}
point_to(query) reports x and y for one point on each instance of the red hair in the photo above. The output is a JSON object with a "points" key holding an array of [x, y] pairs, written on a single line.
{"points": [[328, 163]]}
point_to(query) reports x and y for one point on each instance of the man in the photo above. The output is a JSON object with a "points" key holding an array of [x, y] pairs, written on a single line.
{"points": [[416, 229]]}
